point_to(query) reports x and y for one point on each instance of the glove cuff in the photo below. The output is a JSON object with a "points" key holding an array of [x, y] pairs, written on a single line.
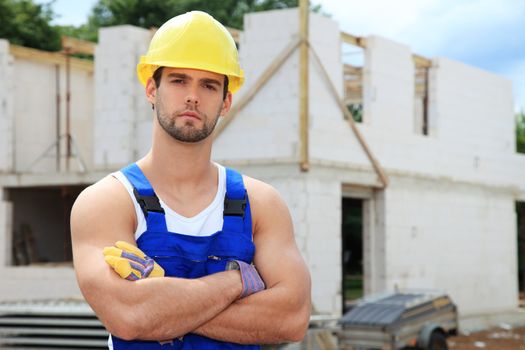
{"points": [[251, 281]]}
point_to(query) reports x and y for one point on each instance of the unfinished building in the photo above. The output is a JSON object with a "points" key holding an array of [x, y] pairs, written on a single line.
{"points": [[414, 186]]}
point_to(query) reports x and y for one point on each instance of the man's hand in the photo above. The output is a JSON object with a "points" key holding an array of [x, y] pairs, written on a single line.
{"points": [[251, 281], [130, 262]]}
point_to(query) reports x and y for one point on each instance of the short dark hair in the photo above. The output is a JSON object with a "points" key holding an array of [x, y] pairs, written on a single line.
{"points": [[157, 76]]}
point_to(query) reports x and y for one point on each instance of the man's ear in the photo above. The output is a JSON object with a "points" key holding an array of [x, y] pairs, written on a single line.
{"points": [[151, 90], [226, 105]]}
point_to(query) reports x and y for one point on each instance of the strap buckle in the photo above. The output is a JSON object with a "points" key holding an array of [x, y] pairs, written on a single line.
{"points": [[148, 203], [234, 207]]}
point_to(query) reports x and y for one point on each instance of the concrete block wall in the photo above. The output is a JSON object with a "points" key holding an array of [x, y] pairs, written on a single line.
{"points": [[474, 108], [34, 111], [315, 208], [471, 121], [272, 115], [317, 221], [35, 121], [82, 111], [455, 237], [6, 107], [270, 122], [388, 86], [326, 123], [122, 116], [38, 282], [5, 239]]}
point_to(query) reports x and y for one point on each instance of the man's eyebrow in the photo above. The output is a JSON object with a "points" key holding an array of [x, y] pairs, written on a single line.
{"points": [[187, 77], [178, 75]]}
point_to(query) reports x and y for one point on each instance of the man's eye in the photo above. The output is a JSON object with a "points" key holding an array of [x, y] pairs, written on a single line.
{"points": [[177, 81], [210, 87]]}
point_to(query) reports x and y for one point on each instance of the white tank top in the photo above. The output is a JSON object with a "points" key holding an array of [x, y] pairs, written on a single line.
{"points": [[205, 223]]}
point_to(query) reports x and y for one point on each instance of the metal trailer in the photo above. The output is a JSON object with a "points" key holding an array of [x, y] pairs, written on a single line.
{"points": [[416, 320]]}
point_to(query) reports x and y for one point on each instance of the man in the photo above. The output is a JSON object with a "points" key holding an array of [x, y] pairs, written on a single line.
{"points": [[206, 229]]}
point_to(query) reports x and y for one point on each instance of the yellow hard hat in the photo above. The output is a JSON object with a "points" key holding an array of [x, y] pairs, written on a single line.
{"points": [[193, 40]]}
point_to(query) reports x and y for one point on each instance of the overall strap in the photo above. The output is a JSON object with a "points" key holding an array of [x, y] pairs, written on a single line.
{"points": [[146, 198], [236, 214]]}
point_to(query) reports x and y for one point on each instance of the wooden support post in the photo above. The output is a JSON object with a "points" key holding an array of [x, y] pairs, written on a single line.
{"points": [[303, 81], [67, 53]]}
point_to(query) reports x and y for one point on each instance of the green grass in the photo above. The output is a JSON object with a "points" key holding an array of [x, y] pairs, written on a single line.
{"points": [[353, 287]]}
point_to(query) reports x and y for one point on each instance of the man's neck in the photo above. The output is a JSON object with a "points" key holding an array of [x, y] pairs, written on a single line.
{"points": [[174, 164]]}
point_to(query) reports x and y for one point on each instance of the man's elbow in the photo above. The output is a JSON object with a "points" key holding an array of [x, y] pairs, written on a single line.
{"points": [[124, 328], [297, 326], [134, 327]]}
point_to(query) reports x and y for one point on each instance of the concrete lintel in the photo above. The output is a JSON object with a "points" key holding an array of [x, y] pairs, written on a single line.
{"points": [[50, 179]]}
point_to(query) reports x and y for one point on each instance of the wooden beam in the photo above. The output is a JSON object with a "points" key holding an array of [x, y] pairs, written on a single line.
{"points": [[353, 40], [303, 87], [375, 163], [252, 91], [421, 61], [352, 70], [348, 38], [21, 52], [353, 100], [74, 45]]}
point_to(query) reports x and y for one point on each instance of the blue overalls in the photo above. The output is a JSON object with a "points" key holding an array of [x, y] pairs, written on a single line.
{"points": [[191, 256]]}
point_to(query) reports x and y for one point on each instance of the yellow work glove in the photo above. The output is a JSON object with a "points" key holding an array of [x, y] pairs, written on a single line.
{"points": [[130, 262]]}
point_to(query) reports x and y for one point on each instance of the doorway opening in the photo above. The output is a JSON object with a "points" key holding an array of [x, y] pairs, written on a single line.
{"points": [[40, 230], [520, 216], [352, 251]]}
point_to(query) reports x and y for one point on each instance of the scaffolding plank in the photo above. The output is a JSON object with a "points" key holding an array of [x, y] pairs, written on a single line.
{"points": [[74, 332], [55, 341], [50, 321]]}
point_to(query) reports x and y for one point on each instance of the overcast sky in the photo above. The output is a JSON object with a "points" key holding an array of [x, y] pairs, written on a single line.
{"points": [[489, 34]]}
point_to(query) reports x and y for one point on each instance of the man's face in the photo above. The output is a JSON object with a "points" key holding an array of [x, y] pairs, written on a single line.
{"points": [[188, 102]]}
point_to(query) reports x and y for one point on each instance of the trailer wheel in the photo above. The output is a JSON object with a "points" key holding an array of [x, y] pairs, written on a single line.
{"points": [[437, 341]]}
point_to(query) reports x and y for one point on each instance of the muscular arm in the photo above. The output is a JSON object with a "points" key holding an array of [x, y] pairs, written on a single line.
{"points": [[149, 309], [281, 312]]}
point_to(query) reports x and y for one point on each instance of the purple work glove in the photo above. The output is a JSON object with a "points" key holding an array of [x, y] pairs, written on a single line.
{"points": [[143, 266], [251, 281]]}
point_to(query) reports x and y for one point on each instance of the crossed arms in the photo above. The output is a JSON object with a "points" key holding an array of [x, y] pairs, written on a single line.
{"points": [[167, 307]]}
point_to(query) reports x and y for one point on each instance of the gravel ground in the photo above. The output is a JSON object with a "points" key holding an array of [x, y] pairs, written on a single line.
{"points": [[504, 338]]}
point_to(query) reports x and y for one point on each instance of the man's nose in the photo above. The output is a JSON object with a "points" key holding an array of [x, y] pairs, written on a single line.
{"points": [[191, 97]]}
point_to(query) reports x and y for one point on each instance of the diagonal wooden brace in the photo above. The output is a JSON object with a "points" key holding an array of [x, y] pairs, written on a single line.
{"points": [[375, 163]]}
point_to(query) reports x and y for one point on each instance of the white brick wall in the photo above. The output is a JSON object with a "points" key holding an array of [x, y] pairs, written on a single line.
{"points": [[5, 239], [459, 238], [6, 107], [122, 115], [39, 283], [315, 208], [388, 78], [34, 109], [272, 115], [468, 96]]}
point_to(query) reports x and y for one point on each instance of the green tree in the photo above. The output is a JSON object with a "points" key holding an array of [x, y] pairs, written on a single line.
{"points": [[84, 32], [153, 13], [520, 132], [28, 24]]}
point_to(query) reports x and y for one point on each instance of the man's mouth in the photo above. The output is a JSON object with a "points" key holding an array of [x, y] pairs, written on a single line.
{"points": [[190, 114]]}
